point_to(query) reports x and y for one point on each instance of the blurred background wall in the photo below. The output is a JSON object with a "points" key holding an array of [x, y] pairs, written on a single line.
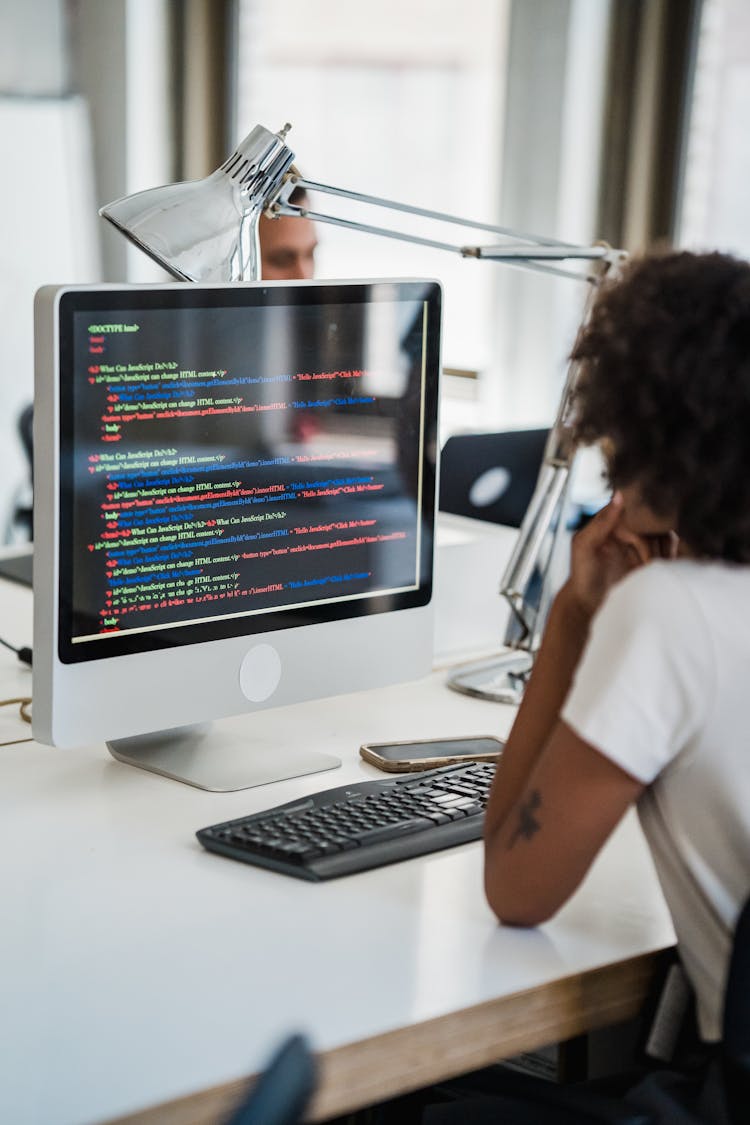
{"points": [[579, 119]]}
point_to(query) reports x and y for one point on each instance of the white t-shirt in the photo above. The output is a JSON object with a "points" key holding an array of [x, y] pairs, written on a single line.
{"points": [[663, 690]]}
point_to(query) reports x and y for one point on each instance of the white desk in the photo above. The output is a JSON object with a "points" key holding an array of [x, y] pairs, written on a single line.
{"points": [[136, 969]]}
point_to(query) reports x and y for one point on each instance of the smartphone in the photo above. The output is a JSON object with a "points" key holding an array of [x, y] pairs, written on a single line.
{"points": [[428, 753]]}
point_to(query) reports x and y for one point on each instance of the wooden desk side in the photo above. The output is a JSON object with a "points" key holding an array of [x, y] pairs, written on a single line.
{"points": [[408, 1059]]}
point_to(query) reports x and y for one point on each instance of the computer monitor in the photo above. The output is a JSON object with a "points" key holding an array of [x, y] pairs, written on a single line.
{"points": [[234, 510]]}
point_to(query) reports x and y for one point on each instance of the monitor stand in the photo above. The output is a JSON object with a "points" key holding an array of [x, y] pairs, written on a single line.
{"points": [[221, 761]]}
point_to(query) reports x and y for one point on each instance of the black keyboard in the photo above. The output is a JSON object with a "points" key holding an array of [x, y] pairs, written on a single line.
{"points": [[356, 827]]}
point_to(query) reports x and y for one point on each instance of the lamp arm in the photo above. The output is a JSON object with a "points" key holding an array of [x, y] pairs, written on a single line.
{"points": [[528, 252], [531, 252], [547, 499], [502, 678], [295, 181], [536, 523], [366, 228]]}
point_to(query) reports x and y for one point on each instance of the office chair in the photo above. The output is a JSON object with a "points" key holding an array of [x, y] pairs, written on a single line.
{"points": [[281, 1094], [735, 1054], [23, 513], [26, 432], [491, 476]]}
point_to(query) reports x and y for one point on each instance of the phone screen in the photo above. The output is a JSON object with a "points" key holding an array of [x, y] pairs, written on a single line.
{"points": [[485, 746]]}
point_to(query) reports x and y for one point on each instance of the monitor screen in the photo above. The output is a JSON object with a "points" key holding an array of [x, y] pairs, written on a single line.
{"points": [[216, 465]]}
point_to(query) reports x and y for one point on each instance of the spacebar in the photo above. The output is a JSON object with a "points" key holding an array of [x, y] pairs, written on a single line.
{"points": [[392, 831]]}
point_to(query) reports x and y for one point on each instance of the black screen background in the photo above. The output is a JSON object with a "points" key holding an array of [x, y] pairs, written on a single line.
{"points": [[239, 462]]}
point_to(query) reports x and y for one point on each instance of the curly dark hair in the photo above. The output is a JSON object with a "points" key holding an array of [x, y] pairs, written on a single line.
{"points": [[665, 377]]}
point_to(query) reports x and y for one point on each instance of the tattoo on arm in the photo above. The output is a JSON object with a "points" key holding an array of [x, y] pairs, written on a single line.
{"points": [[528, 825]]}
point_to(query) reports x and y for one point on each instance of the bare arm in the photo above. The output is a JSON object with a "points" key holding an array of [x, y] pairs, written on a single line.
{"points": [[564, 640], [555, 799], [536, 857]]}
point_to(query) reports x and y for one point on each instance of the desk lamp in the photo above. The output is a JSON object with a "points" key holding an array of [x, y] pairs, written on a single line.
{"points": [[207, 231]]}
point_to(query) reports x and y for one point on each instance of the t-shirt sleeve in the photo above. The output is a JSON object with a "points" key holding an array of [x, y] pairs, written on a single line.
{"points": [[642, 688]]}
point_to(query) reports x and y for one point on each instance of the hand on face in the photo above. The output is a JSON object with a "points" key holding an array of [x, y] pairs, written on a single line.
{"points": [[612, 544]]}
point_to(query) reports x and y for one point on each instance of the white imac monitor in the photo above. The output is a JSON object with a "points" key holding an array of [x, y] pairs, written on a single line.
{"points": [[234, 501]]}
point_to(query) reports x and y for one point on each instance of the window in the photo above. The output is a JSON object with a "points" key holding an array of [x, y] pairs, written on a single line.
{"points": [[714, 212], [406, 100]]}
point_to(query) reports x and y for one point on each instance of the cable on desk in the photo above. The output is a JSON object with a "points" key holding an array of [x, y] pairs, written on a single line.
{"points": [[23, 653], [24, 708]]}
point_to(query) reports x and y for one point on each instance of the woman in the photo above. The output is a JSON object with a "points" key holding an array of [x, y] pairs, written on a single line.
{"points": [[639, 692]]}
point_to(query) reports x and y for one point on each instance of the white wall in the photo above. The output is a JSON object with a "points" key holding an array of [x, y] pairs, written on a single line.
{"points": [[83, 120], [47, 205]]}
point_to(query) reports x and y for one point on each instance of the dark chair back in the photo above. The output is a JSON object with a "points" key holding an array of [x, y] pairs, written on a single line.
{"points": [[281, 1094], [23, 513], [491, 476], [26, 432], [736, 1047]]}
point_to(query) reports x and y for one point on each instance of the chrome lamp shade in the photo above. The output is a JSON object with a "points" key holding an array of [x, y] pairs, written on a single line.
{"points": [[207, 230]]}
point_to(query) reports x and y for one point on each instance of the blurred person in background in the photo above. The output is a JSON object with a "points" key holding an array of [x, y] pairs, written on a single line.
{"points": [[287, 244]]}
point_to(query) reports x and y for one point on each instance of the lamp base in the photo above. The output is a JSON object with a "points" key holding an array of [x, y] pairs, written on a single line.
{"points": [[500, 678]]}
